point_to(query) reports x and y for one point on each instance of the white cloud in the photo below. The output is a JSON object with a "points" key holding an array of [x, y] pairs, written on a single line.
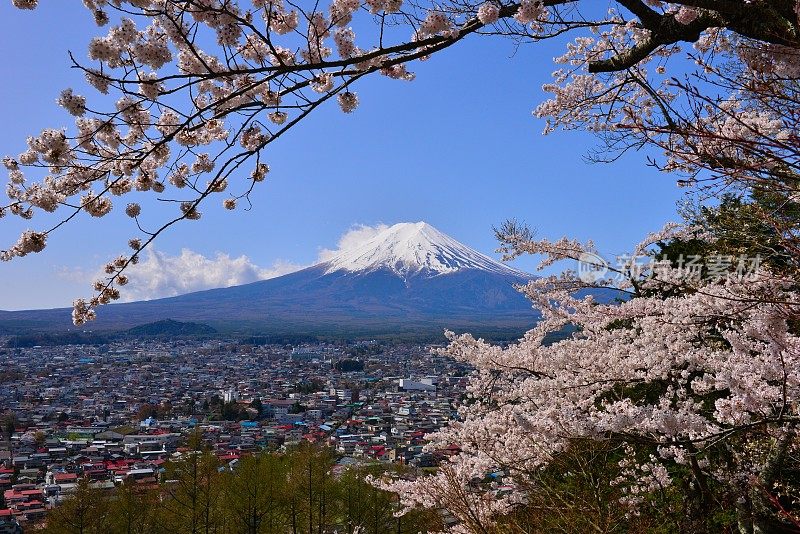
{"points": [[161, 275], [357, 235]]}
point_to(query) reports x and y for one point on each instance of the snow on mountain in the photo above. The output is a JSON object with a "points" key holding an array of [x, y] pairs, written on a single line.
{"points": [[409, 249]]}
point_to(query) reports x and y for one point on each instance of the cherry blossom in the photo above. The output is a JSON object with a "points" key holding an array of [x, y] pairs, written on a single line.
{"points": [[488, 13], [348, 101], [74, 104], [530, 400]]}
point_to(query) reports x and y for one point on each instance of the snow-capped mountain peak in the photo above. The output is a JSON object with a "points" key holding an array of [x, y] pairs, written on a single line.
{"points": [[414, 248]]}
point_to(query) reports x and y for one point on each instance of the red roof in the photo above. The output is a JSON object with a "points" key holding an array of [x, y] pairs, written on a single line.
{"points": [[117, 464]]}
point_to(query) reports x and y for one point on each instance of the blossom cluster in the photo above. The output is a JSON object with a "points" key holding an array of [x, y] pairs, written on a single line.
{"points": [[488, 13], [545, 394], [531, 12], [28, 242]]}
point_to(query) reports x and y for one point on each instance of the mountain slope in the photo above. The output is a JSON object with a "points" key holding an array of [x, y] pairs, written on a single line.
{"points": [[410, 277]]}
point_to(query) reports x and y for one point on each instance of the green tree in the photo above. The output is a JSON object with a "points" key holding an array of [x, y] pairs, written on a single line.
{"points": [[84, 512], [364, 507], [188, 406], [268, 493], [311, 488], [258, 406], [761, 226], [231, 411], [297, 407], [8, 422], [147, 411], [192, 494], [255, 495], [134, 510]]}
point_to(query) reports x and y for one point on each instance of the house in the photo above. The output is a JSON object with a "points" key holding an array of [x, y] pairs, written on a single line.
{"points": [[8, 523]]}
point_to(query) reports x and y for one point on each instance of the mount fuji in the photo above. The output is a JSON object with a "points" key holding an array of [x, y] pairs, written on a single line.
{"points": [[408, 278], [414, 249]]}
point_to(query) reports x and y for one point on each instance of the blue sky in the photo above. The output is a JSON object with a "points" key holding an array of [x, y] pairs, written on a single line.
{"points": [[457, 148]]}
